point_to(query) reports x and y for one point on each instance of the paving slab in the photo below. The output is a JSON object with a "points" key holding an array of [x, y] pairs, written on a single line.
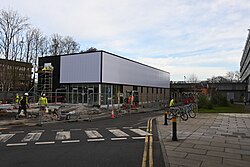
{"points": [[208, 140]]}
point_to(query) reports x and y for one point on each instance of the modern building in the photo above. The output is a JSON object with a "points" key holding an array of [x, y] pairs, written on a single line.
{"points": [[100, 78], [245, 67]]}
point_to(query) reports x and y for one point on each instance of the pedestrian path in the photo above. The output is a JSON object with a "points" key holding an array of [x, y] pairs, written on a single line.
{"points": [[221, 140], [21, 138]]}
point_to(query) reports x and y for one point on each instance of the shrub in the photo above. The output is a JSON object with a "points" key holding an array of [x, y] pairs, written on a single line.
{"points": [[204, 102]]}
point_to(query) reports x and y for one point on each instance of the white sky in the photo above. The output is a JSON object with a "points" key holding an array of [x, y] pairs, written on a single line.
{"points": [[183, 37]]}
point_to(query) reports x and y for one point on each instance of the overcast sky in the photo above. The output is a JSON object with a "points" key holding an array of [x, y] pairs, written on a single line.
{"points": [[183, 37]]}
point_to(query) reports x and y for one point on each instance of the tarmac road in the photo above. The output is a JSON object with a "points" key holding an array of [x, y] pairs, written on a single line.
{"points": [[131, 140]]}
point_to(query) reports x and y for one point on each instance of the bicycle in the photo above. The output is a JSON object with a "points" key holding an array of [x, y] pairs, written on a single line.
{"points": [[177, 112], [190, 110]]}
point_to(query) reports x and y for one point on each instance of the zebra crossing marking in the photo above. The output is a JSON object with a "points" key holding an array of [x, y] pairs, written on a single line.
{"points": [[44, 143], [71, 141], [90, 140], [121, 138], [64, 135], [5, 137], [138, 138], [118, 132], [93, 134], [141, 132], [16, 144], [127, 127], [32, 137]]}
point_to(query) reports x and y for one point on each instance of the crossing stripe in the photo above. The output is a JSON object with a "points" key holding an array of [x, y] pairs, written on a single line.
{"points": [[118, 132], [137, 138], [127, 127], [5, 137], [121, 138], [43, 143], [141, 132], [71, 141], [64, 135], [32, 137], [93, 134], [90, 140], [16, 144]]}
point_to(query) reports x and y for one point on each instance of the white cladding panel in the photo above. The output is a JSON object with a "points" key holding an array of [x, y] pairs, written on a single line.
{"points": [[80, 68], [122, 71]]}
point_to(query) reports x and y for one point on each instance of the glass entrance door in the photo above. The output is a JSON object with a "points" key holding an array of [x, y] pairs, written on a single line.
{"points": [[90, 95], [74, 95]]}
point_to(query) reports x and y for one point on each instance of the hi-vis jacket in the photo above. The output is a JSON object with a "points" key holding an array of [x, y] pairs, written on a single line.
{"points": [[43, 101]]}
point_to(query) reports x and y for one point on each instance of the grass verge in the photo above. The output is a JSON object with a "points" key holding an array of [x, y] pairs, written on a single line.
{"points": [[231, 108]]}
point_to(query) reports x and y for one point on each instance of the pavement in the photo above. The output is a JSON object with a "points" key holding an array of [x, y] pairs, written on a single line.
{"points": [[209, 140]]}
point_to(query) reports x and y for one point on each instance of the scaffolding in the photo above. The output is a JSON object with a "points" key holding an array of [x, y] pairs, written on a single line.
{"points": [[46, 81]]}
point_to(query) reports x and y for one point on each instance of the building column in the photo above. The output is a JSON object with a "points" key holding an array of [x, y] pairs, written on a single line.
{"points": [[100, 94]]}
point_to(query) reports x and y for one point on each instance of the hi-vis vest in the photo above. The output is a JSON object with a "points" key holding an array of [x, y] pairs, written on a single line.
{"points": [[17, 99], [171, 104], [43, 101]]}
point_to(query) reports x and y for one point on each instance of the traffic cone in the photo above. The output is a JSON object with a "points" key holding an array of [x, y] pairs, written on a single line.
{"points": [[112, 114]]}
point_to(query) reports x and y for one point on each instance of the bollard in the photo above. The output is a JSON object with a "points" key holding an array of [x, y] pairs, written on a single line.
{"points": [[174, 137], [166, 118]]}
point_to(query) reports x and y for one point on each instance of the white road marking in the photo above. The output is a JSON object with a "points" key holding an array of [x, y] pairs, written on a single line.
{"points": [[141, 132], [90, 140], [118, 132], [32, 137], [17, 132], [127, 127], [93, 134], [5, 137], [64, 135], [43, 143], [136, 138], [121, 138], [16, 144], [71, 141]]}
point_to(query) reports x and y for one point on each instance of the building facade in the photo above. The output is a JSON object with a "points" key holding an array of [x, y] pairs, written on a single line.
{"points": [[245, 67], [234, 91], [101, 78], [15, 75]]}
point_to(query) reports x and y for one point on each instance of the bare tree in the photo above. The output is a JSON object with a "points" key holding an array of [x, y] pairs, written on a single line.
{"points": [[233, 75], [193, 78], [69, 45], [56, 45], [11, 26]]}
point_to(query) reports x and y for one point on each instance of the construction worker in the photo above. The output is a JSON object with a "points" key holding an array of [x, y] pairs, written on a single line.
{"points": [[17, 98], [43, 102], [23, 104], [172, 102]]}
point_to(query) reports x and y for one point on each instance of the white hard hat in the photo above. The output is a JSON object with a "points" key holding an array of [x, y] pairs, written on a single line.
{"points": [[26, 94], [43, 94]]}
